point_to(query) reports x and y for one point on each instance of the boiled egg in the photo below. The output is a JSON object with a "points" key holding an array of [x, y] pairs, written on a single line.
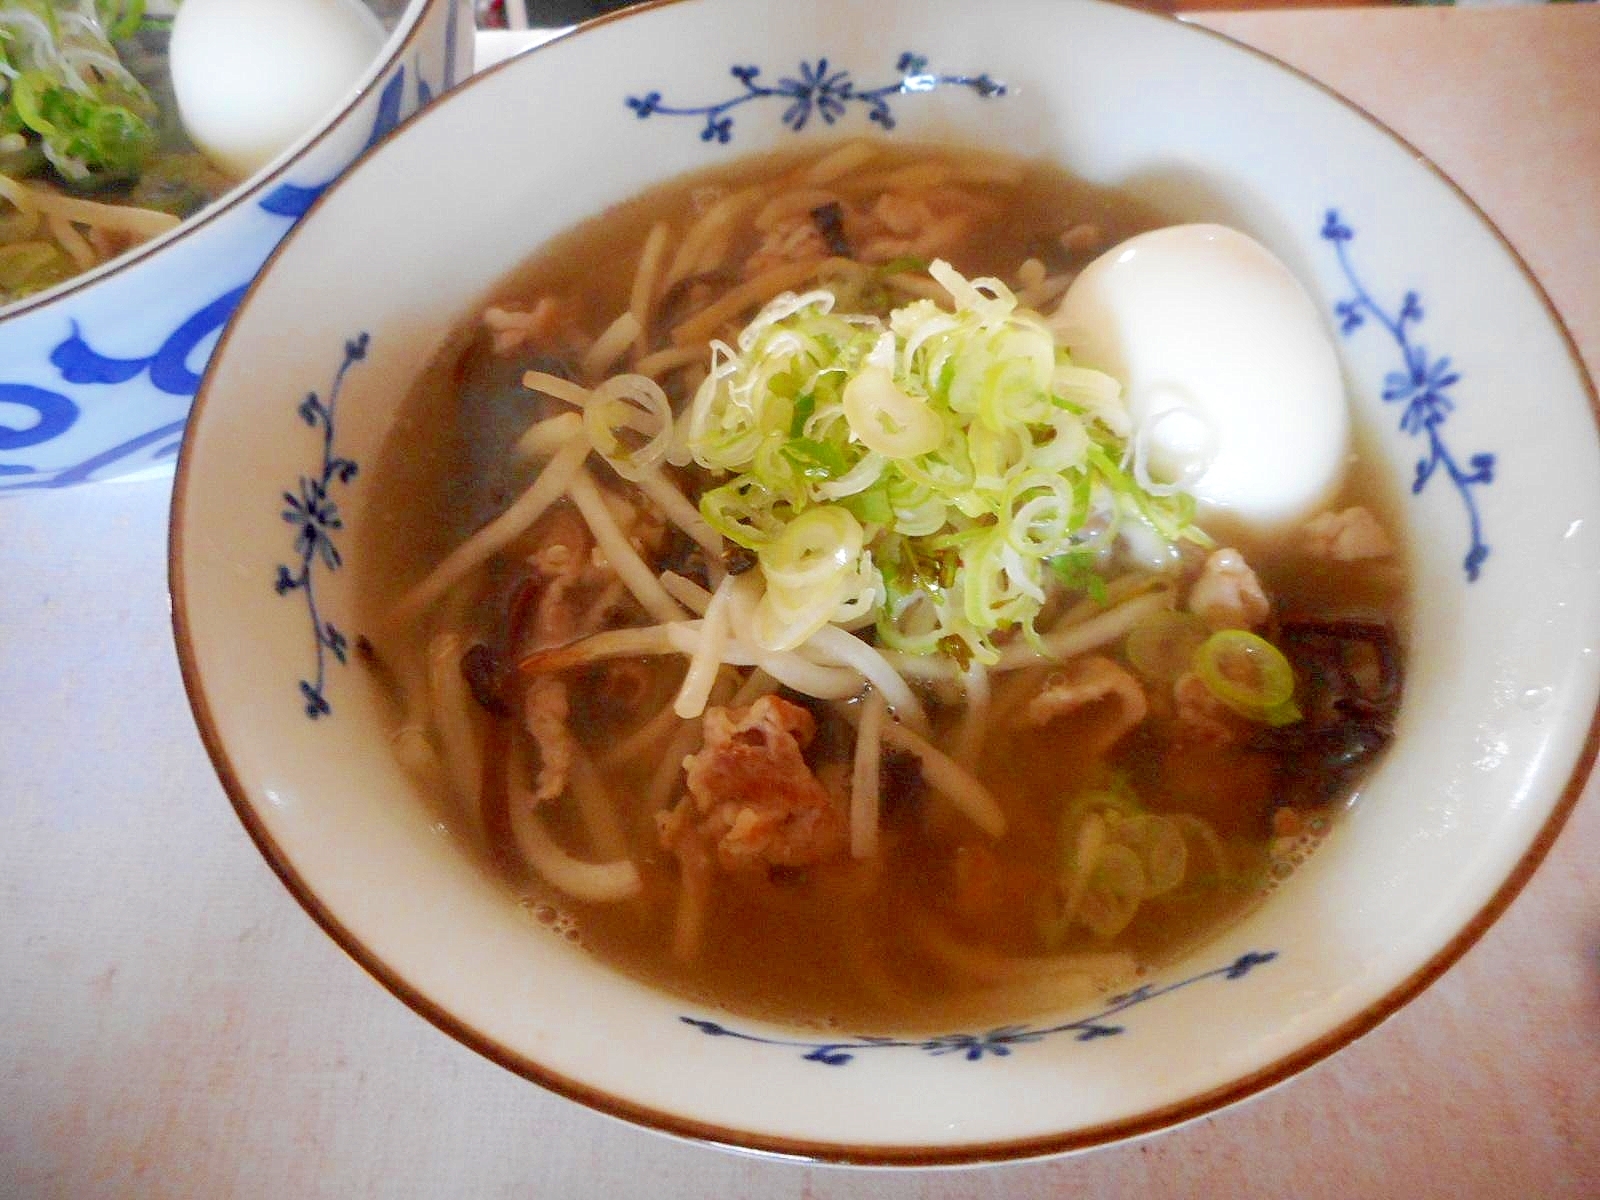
{"points": [[1230, 378], [251, 77]]}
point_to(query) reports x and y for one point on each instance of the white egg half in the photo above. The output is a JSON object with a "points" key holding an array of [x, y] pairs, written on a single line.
{"points": [[253, 76], [1230, 377]]}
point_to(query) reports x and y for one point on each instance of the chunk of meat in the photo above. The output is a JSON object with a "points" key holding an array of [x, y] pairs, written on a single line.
{"points": [[1092, 681], [544, 716], [899, 225], [644, 525], [794, 239], [571, 589], [1202, 717], [1227, 595], [1349, 535], [563, 574], [510, 327], [752, 797]]}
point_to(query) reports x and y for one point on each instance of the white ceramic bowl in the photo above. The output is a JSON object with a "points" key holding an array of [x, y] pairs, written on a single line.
{"points": [[97, 374], [1452, 355]]}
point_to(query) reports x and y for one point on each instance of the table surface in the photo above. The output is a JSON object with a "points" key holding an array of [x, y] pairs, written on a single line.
{"points": [[174, 1025]]}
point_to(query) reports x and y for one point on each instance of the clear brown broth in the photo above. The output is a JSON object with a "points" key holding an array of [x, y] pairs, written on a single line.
{"points": [[838, 945]]}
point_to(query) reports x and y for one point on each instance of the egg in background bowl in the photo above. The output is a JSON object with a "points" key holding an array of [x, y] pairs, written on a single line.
{"points": [[1410, 284], [98, 372]]}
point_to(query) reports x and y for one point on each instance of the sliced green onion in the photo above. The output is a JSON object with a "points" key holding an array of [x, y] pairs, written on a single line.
{"points": [[886, 419], [1117, 886], [1248, 674], [1161, 850], [817, 547], [63, 87], [966, 440], [633, 402]]}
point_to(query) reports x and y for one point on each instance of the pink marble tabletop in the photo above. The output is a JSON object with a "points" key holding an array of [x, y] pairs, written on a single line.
{"points": [[171, 1024]]}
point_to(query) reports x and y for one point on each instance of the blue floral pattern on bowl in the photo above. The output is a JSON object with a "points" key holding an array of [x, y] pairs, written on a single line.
{"points": [[1422, 386], [818, 89], [314, 513], [999, 1041]]}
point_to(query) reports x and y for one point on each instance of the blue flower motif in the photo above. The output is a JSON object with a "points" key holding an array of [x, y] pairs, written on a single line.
{"points": [[994, 1043], [817, 89], [315, 516], [974, 1046], [1422, 387]]}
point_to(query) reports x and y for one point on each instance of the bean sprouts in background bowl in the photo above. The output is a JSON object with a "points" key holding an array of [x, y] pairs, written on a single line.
{"points": [[820, 580], [123, 251]]}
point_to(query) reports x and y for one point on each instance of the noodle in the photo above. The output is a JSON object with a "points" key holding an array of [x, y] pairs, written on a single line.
{"points": [[553, 385], [743, 297], [864, 778], [611, 345], [682, 514], [686, 592], [663, 362], [613, 643], [613, 543], [705, 660], [949, 779], [974, 714], [140, 223], [847, 650], [1061, 644], [689, 921], [641, 297], [451, 703], [598, 883], [26, 217], [712, 225], [597, 808], [544, 438], [788, 668], [70, 240], [786, 205], [842, 161]]}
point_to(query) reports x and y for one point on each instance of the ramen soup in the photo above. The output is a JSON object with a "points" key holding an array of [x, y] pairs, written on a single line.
{"points": [[770, 596], [119, 120]]}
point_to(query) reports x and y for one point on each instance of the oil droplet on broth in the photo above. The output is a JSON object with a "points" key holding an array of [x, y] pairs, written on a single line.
{"points": [[557, 921]]}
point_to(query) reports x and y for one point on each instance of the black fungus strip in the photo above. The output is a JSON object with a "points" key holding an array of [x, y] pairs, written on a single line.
{"points": [[829, 220], [901, 786], [675, 299], [481, 668], [1346, 723], [736, 560]]}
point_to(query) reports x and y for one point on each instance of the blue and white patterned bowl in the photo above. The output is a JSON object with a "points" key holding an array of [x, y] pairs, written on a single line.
{"points": [[1454, 361], [97, 375]]}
